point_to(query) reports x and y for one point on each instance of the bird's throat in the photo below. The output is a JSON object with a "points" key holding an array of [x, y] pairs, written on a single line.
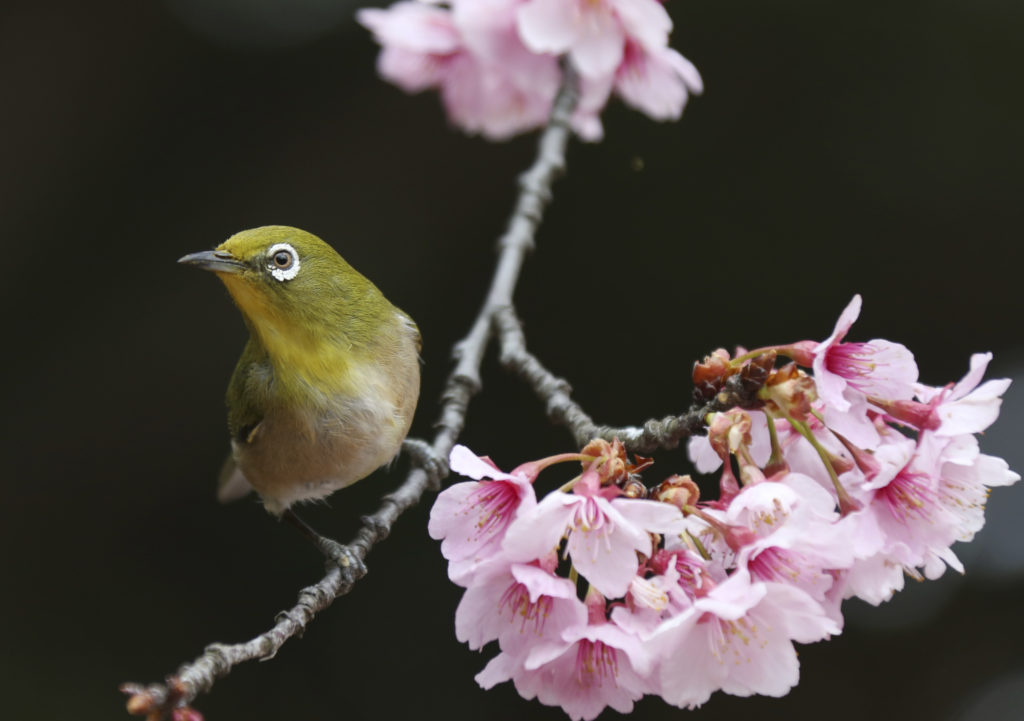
{"points": [[305, 361]]}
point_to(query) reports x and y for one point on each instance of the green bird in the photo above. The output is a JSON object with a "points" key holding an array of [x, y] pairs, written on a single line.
{"points": [[327, 385]]}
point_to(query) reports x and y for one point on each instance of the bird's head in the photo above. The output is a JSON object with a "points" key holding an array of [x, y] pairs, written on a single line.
{"points": [[292, 286]]}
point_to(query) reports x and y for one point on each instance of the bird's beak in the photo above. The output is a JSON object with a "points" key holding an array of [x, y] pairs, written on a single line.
{"points": [[219, 261]]}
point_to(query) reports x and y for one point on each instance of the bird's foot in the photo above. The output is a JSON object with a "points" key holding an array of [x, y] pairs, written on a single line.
{"points": [[343, 557], [422, 454], [340, 555]]}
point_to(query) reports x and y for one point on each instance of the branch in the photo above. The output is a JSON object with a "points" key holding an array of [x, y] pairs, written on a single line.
{"points": [[739, 390], [161, 701]]}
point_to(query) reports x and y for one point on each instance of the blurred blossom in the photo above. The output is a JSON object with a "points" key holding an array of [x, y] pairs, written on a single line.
{"points": [[495, 62]]}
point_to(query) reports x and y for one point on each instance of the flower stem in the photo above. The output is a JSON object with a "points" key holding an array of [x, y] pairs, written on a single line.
{"points": [[846, 503]]}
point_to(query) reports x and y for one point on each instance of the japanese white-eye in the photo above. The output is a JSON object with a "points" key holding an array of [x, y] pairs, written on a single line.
{"points": [[326, 387]]}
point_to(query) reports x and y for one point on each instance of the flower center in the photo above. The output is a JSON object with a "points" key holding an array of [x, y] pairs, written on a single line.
{"points": [[595, 662], [589, 517], [532, 615], [909, 496], [852, 361], [493, 503]]}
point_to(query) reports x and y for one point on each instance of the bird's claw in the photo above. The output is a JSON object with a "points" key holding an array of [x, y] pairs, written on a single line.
{"points": [[345, 559], [422, 454]]}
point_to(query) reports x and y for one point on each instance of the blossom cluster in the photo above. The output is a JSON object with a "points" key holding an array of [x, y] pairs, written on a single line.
{"points": [[495, 62], [845, 476]]}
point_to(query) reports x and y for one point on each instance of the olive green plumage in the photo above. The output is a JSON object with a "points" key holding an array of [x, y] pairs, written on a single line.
{"points": [[326, 387]]}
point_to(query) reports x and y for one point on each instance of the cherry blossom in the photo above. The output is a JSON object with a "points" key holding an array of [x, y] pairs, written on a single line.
{"points": [[495, 62], [471, 519], [686, 595], [597, 665], [877, 367], [738, 637], [604, 535]]}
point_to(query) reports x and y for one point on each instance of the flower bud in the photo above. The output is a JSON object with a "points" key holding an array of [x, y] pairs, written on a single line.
{"points": [[634, 488], [728, 431], [755, 372], [610, 462], [678, 490], [709, 374], [792, 390]]}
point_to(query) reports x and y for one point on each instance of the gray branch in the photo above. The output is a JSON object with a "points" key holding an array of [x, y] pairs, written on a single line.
{"points": [[159, 701], [738, 390]]}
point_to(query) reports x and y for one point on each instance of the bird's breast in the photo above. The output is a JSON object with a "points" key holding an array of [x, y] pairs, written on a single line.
{"points": [[329, 422]]}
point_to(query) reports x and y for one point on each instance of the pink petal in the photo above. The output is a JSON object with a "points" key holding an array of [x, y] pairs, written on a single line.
{"points": [[651, 84], [894, 374], [799, 616], [466, 463], [766, 666], [533, 535], [979, 363], [650, 515], [846, 319], [733, 598], [410, 70], [646, 21], [477, 618], [688, 674], [606, 557], [412, 25], [974, 412], [447, 516], [850, 416], [541, 583], [687, 71], [548, 26], [702, 455], [598, 50], [498, 670]]}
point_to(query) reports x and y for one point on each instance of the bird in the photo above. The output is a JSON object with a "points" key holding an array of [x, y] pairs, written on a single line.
{"points": [[326, 387]]}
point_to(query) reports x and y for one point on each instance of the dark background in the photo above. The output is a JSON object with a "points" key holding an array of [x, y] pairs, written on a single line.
{"points": [[841, 147]]}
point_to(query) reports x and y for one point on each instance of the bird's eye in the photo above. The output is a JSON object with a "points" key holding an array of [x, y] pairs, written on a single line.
{"points": [[283, 261]]}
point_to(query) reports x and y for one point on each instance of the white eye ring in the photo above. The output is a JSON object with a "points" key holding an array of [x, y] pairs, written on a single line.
{"points": [[283, 261]]}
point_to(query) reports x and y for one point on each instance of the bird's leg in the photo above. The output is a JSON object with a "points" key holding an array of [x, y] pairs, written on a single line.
{"points": [[335, 552], [423, 455]]}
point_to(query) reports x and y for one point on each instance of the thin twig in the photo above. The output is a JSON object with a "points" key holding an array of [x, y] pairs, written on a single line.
{"points": [[159, 701], [563, 410]]}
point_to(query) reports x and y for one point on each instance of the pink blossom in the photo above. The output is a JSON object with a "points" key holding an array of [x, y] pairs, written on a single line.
{"points": [[604, 535], [681, 577], [877, 368], [417, 41], [707, 459], [829, 509], [657, 81], [966, 407], [903, 525], [598, 665], [738, 638], [964, 479], [490, 83], [471, 518], [519, 605], [495, 61], [797, 540]]}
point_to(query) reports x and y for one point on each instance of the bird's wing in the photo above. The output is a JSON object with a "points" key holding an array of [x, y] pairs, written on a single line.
{"points": [[245, 413], [247, 393]]}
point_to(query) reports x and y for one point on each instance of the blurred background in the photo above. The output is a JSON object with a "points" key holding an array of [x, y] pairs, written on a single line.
{"points": [[873, 147]]}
